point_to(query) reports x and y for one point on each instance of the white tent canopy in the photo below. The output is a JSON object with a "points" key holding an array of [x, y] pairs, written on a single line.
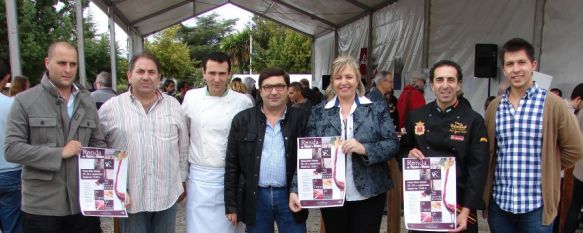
{"points": [[416, 32]]}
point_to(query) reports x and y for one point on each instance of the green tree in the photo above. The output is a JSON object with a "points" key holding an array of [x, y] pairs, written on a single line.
{"points": [[204, 37], [276, 45], [172, 53], [237, 46], [42, 22]]}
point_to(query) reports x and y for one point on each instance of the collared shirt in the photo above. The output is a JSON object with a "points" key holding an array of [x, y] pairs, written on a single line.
{"points": [[5, 104], [352, 193], [71, 103], [519, 133], [209, 119], [272, 166], [157, 144]]}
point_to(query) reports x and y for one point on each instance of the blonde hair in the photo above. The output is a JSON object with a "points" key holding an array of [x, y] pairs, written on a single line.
{"points": [[338, 65], [238, 86]]}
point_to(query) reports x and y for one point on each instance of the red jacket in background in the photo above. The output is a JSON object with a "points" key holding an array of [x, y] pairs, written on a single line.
{"points": [[410, 99]]}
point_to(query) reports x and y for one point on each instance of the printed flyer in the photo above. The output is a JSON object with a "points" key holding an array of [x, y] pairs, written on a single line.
{"points": [[429, 194], [102, 182], [321, 172]]}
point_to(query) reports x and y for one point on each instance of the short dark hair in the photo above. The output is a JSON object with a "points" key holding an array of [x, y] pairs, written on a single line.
{"points": [[273, 71], [4, 68], [560, 93], [577, 92], [515, 45], [148, 56], [167, 82], [441, 63], [298, 87], [218, 57], [182, 84]]}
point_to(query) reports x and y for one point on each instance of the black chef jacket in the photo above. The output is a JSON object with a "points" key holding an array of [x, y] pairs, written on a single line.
{"points": [[456, 131]]}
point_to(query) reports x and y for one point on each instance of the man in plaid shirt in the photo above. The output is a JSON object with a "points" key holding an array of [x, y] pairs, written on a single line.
{"points": [[532, 137]]}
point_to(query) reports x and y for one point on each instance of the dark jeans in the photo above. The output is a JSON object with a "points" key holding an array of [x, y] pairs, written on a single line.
{"points": [[273, 205], [32, 223], [10, 202], [572, 220], [355, 216], [501, 221]]}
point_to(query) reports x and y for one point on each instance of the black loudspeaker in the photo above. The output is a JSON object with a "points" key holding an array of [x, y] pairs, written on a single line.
{"points": [[325, 81], [485, 65]]}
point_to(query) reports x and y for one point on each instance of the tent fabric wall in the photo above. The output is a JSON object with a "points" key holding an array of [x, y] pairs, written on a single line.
{"points": [[562, 46], [353, 37], [323, 57], [398, 33], [456, 26]]}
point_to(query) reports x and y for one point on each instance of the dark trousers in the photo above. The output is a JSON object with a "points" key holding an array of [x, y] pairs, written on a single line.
{"points": [[77, 223], [355, 216], [572, 220]]}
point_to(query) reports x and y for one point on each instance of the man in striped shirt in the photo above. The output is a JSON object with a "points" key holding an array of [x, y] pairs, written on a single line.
{"points": [[151, 127]]}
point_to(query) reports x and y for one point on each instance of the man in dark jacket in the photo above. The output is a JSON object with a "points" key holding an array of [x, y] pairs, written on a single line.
{"points": [[447, 127], [261, 159]]}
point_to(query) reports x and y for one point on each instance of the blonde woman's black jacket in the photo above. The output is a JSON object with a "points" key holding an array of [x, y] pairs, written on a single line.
{"points": [[243, 159]]}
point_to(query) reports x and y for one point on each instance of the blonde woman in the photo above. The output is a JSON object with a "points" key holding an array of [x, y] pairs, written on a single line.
{"points": [[369, 141]]}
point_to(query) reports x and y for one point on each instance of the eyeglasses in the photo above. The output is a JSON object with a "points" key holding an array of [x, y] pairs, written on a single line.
{"points": [[278, 87]]}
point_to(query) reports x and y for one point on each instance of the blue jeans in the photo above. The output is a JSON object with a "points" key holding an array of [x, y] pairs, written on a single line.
{"points": [[273, 205], [143, 222], [10, 199], [501, 221]]}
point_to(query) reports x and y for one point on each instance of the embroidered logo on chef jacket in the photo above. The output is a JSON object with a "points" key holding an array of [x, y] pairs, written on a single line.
{"points": [[456, 129], [419, 128]]}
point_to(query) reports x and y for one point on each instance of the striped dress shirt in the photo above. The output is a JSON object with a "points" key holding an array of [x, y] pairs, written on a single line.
{"points": [[518, 183], [157, 144]]}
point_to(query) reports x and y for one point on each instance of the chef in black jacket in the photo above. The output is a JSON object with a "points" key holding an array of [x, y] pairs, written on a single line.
{"points": [[445, 127]]}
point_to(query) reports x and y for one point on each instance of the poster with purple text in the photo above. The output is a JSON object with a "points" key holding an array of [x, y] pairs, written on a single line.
{"points": [[321, 175], [102, 182], [429, 194]]}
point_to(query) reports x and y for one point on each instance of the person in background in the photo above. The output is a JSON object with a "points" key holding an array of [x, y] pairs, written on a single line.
{"points": [[10, 173], [182, 86], [272, 155], [369, 141], [19, 84], [447, 127], [251, 89], [411, 97], [532, 137], [238, 86], [103, 90], [557, 92], [383, 91], [46, 129], [169, 87], [488, 100], [313, 97], [572, 220], [210, 110], [297, 99]]}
